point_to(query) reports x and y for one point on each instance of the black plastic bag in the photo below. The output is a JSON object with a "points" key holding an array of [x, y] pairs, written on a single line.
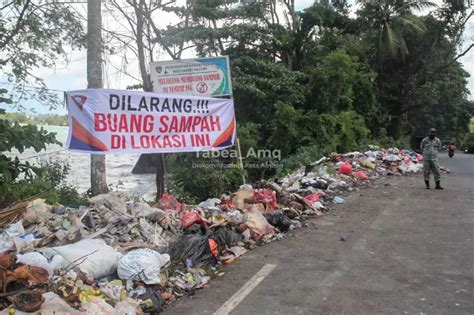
{"points": [[279, 219], [225, 237], [194, 247], [196, 229], [152, 302]]}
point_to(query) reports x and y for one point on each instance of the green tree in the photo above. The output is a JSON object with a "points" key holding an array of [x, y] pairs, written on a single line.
{"points": [[31, 34], [388, 22]]}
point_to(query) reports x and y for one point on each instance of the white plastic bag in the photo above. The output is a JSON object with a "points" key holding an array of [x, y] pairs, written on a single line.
{"points": [[12, 231], [257, 223], [142, 264], [37, 259], [92, 256]]}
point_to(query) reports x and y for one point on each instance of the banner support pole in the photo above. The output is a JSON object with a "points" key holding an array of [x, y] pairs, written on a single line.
{"points": [[241, 163]]}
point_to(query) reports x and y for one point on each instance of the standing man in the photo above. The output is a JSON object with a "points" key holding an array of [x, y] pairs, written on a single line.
{"points": [[430, 147]]}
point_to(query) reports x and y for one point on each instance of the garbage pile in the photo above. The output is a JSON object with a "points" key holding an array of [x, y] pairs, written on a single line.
{"points": [[119, 255]]}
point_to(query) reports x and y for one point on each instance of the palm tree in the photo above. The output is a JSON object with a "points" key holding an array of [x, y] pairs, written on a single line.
{"points": [[391, 19]]}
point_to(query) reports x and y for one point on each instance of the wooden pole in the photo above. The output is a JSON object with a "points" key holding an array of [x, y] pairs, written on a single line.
{"points": [[239, 152]]}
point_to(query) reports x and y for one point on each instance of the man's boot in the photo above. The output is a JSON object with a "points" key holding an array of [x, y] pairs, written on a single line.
{"points": [[438, 186], [427, 183]]}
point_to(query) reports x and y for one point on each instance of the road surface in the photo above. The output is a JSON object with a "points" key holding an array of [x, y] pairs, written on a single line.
{"points": [[396, 248]]}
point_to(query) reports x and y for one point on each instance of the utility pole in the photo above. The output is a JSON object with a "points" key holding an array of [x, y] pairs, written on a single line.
{"points": [[94, 80]]}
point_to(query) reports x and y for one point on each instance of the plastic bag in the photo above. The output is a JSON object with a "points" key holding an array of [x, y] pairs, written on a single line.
{"points": [[240, 197], [151, 301], [142, 265], [345, 169], [214, 247], [311, 199], [361, 175], [339, 200], [279, 220], [36, 259], [169, 203], [190, 218], [12, 231], [225, 237], [234, 216], [53, 304], [368, 164], [266, 197], [210, 203], [128, 306], [93, 256], [257, 224], [194, 247], [97, 308], [391, 158], [371, 154]]}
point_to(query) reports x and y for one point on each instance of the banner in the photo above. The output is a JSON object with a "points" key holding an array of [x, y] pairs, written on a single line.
{"points": [[130, 122], [202, 76]]}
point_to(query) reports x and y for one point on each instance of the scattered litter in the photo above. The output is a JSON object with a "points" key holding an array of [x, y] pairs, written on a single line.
{"points": [[142, 265], [118, 255]]}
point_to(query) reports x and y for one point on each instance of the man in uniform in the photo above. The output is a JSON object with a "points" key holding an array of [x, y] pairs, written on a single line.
{"points": [[430, 147]]}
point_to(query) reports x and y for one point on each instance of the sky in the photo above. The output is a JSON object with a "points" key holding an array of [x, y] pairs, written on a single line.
{"points": [[72, 76]]}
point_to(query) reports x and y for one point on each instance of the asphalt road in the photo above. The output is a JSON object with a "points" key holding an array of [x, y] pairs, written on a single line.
{"points": [[395, 248]]}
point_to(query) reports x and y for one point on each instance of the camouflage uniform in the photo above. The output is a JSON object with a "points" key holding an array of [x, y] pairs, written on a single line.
{"points": [[430, 150]]}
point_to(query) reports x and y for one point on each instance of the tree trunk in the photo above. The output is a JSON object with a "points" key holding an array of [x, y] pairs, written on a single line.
{"points": [[160, 176], [94, 80], [395, 127], [148, 87]]}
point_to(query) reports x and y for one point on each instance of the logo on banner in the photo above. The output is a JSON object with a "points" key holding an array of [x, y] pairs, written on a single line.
{"points": [[202, 87], [79, 100]]}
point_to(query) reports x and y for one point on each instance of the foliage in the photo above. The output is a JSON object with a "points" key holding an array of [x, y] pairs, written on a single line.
{"points": [[32, 34], [221, 176], [469, 143], [314, 82], [35, 34], [41, 119], [15, 136], [47, 180]]}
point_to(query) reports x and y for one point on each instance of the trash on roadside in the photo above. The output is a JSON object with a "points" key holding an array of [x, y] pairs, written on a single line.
{"points": [[279, 220], [119, 255], [194, 247], [361, 175], [345, 168], [257, 224], [94, 257], [169, 203], [310, 200], [142, 265]]}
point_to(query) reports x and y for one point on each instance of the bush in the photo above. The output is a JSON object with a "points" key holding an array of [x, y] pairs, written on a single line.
{"points": [[469, 143], [44, 181], [195, 179], [304, 156]]}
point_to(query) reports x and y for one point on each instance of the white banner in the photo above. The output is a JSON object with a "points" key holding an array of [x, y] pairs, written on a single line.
{"points": [[129, 122]]}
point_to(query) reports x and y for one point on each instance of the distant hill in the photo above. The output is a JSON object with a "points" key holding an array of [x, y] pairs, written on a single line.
{"points": [[41, 119]]}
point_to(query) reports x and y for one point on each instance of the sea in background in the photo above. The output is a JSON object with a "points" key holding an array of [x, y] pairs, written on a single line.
{"points": [[118, 167]]}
